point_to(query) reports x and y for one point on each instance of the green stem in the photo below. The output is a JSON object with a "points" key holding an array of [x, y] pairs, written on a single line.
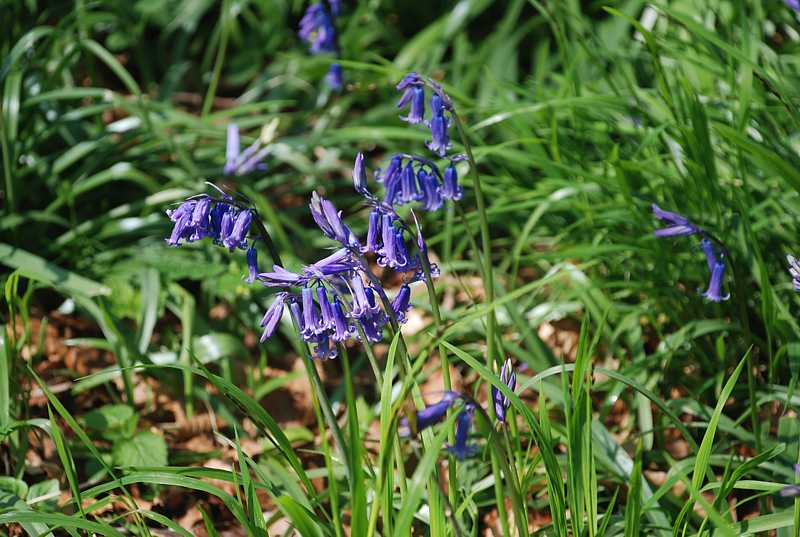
{"points": [[325, 404], [333, 487], [9, 180], [223, 45], [452, 475], [357, 493], [488, 276]]}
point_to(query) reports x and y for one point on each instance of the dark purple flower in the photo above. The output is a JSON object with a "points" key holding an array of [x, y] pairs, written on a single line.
{"points": [[392, 187], [362, 306], [182, 217], [201, 211], [316, 28], [707, 245], [339, 261], [794, 4], [401, 303], [440, 141], [215, 219], [336, 7], [716, 264], [714, 291], [360, 175], [373, 232], [330, 222], [462, 449], [324, 348], [410, 80], [413, 89], [252, 264], [297, 314], [395, 165], [273, 316], [501, 403], [431, 196], [325, 308], [679, 225], [373, 324], [311, 321], [794, 270], [342, 327], [335, 78], [238, 234], [281, 277], [226, 226], [416, 111], [392, 252], [451, 190], [408, 186], [431, 414]]}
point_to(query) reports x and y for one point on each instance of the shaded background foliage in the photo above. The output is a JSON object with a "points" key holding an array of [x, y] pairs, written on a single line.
{"points": [[112, 111]]}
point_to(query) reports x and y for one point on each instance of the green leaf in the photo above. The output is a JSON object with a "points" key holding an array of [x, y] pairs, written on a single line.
{"points": [[144, 449], [36, 268], [112, 421], [216, 345], [14, 486], [44, 495], [300, 517]]}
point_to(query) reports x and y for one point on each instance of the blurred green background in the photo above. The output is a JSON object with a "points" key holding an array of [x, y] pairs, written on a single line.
{"points": [[581, 115]]}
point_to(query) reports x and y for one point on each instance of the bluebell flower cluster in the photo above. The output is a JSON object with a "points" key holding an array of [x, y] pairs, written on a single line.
{"points": [[202, 216], [501, 403], [336, 296], [239, 162], [411, 178], [318, 30], [329, 299], [413, 96], [679, 226]]}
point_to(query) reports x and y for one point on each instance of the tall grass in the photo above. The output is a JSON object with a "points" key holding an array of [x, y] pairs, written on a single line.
{"points": [[640, 408]]}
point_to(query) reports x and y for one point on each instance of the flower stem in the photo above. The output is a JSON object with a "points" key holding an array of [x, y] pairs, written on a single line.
{"points": [[488, 277]]}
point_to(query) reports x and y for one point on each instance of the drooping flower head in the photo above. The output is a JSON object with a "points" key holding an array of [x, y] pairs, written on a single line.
{"points": [[204, 217], [439, 125], [451, 190], [409, 179], [318, 30], [462, 448], [716, 264], [413, 95], [430, 415], [501, 403], [678, 225], [360, 175], [273, 316], [330, 222], [335, 77], [401, 303]]}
